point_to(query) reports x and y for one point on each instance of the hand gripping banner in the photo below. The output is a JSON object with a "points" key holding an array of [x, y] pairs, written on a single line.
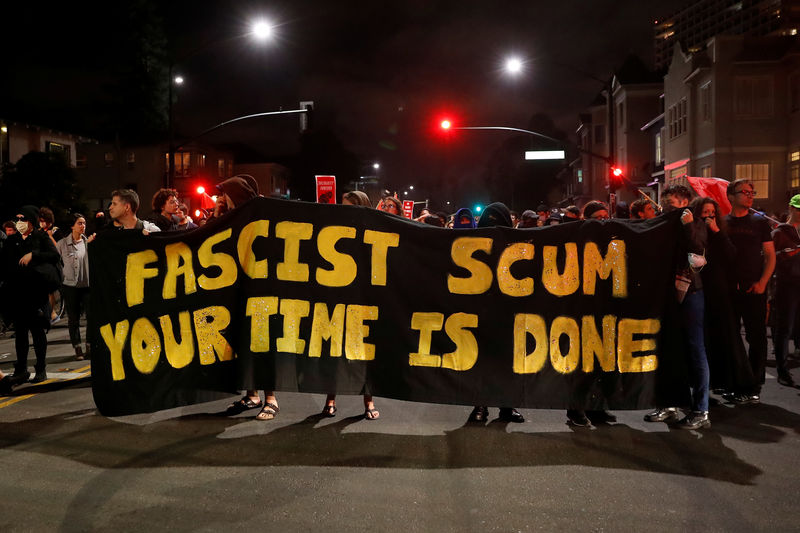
{"points": [[294, 296]]}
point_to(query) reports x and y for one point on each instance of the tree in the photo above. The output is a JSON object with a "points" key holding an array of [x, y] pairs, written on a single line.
{"points": [[40, 179]]}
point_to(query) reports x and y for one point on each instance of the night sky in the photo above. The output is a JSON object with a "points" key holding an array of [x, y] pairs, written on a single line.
{"points": [[380, 73]]}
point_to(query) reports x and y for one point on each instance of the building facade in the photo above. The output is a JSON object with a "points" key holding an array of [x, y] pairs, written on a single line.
{"points": [[694, 25], [733, 111], [17, 139], [102, 168]]}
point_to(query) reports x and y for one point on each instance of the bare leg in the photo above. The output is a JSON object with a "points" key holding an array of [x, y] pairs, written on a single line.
{"points": [[370, 413]]}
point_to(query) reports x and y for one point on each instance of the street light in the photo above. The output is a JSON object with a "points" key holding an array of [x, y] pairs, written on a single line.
{"points": [[411, 187], [376, 166], [513, 66], [260, 29]]}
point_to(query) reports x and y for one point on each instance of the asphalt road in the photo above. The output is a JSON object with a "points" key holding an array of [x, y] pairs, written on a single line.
{"points": [[420, 467]]}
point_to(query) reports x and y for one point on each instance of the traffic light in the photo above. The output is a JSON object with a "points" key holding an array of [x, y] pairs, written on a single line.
{"points": [[616, 179]]}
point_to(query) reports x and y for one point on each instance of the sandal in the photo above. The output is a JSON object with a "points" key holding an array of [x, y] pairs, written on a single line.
{"points": [[371, 414], [242, 405], [268, 412], [329, 411]]}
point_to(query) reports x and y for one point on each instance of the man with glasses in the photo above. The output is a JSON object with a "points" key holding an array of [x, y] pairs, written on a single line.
{"points": [[750, 234]]}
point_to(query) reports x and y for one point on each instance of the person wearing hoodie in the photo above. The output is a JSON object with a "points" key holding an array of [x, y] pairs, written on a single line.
{"points": [[496, 214], [463, 219]]}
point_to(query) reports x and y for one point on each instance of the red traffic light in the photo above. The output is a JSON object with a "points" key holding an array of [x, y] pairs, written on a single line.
{"points": [[200, 189]]}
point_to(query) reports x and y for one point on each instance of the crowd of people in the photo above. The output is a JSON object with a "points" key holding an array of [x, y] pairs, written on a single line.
{"points": [[729, 264]]}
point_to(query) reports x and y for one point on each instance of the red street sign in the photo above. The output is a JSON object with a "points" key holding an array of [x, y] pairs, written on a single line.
{"points": [[326, 189], [408, 208]]}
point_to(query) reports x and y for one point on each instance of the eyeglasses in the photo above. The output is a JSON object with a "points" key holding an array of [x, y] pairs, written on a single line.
{"points": [[747, 193]]}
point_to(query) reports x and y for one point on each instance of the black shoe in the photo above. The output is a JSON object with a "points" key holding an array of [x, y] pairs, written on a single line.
{"points": [[577, 417], [742, 399], [601, 417], [18, 378], [5, 385], [39, 377], [786, 380], [509, 414], [479, 414], [695, 420], [659, 415]]}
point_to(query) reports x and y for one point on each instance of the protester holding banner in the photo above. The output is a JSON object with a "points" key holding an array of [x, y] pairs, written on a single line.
{"points": [[751, 235], [122, 210], [787, 295], [28, 272], [75, 288], [329, 410], [236, 191], [463, 219], [390, 204], [356, 198], [690, 295], [496, 214], [727, 356]]}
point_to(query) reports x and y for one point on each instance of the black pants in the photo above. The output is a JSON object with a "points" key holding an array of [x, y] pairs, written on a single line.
{"points": [[32, 321], [76, 301], [787, 304], [751, 310]]}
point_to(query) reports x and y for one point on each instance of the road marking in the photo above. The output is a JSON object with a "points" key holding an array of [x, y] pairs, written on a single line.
{"points": [[15, 400], [78, 373]]}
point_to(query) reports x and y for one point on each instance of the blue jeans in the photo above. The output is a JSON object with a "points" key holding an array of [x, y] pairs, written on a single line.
{"points": [[692, 310]]}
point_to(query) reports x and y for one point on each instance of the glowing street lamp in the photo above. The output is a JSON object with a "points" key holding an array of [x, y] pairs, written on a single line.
{"points": [[262, 30], [376, 166], [513, 65], [411, 187]]}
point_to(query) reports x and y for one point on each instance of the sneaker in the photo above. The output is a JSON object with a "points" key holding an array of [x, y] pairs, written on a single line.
{"points": [[742, 399], [659, 415], [695, 420], [577, 417], [39, 377], [786, 380]]}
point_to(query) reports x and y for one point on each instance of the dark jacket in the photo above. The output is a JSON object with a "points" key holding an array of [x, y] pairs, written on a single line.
{"points": [[23, 286], [164, 223]]}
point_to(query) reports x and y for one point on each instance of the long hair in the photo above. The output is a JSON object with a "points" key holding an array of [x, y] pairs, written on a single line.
{"points": [[697, 209]]}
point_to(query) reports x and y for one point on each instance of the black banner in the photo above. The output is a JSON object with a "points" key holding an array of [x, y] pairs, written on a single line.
{"points": [[326, 298]]}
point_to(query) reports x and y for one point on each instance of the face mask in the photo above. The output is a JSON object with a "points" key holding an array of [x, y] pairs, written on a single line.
{"points": [[22, 226], [697, 261]]}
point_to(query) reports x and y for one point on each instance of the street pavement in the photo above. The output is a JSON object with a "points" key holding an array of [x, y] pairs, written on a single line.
{"points": [[420, 467]]}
